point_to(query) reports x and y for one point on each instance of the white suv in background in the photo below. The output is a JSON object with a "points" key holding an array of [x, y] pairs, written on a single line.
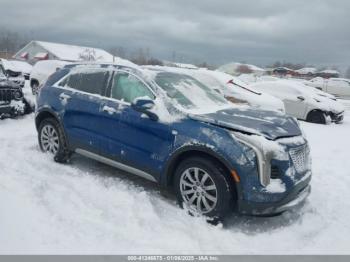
{"points": [[339, 87], [42, 70]]}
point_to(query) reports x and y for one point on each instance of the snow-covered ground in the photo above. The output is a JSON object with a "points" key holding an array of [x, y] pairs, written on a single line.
{"points": [[87, 207]]}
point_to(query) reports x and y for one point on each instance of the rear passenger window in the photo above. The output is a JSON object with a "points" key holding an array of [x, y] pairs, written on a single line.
{"points": [[89, 82], [73, 81]]}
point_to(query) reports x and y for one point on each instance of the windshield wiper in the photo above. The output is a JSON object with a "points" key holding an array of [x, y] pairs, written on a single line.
{"points": [[233, 83]]}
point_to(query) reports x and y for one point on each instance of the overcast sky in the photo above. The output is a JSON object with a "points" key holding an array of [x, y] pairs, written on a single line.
{"points": [[260, 32]]}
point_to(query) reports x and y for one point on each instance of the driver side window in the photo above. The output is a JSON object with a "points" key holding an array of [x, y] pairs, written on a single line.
{"points": [[127, 87]]}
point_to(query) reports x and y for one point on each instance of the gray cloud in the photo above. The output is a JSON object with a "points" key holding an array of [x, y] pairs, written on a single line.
{"points": [[259, 32]]}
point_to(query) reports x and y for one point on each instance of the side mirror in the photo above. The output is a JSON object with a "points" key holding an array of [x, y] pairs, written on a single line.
{"points": [[145, 105], [301, 98]]}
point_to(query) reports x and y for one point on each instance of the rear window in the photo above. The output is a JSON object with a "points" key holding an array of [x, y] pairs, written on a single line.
{"points": [[89, 82]]}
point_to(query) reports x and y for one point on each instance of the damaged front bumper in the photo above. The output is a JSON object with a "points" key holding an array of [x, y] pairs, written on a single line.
{"points": [[291, 199], [336, 117]]}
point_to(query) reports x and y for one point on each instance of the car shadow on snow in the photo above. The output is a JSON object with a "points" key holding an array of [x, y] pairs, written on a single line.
{"points": [[260, 224], [250, 225], [102, 170]]}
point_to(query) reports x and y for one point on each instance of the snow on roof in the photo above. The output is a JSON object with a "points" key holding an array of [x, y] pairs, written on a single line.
{"points": [[329, 71], [306, 70], [180, 65], [16, 66], [75, 53]]}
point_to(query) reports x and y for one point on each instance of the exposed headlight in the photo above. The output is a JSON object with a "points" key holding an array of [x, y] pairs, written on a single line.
{"points": [[263, 156]]}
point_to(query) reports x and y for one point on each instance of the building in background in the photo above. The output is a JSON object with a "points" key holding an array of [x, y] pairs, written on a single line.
{"points": [[38, 50], [306, 72], [329, 73]]}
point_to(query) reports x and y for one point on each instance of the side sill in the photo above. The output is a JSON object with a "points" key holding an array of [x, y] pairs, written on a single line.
{"points": [[116, 164]]}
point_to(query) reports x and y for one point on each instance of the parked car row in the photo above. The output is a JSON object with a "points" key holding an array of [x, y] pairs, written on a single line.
{"points": [[340, 87], [172, 129], [304, 102], [300, 100]]}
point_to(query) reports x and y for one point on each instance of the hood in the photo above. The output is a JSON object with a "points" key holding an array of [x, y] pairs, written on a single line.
{"points": [[269, 124], [5, 83]]}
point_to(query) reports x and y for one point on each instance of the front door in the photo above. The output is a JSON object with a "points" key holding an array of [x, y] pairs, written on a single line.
{"points": [[143, 143]]}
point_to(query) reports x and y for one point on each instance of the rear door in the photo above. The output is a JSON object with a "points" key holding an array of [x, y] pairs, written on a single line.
{"points": [[81, 98]]}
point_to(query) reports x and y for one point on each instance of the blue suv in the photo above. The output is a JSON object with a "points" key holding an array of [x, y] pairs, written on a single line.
{"points": [[173, 130]]}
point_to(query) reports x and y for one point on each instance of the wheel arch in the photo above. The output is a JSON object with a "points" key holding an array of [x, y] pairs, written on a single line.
{"points": [[43, 114], [33, 80], [313, 110], [198, 151]]}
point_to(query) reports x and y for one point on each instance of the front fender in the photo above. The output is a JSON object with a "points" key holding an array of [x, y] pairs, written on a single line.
{"points": [[196, 149]]}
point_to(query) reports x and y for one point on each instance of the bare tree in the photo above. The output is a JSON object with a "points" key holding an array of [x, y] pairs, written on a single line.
{"points": [[10, 42], [119, 51], [89, 54]]}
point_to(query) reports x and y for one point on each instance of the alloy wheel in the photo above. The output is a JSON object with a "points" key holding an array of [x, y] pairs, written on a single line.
{"points": [[49, 139], [198, 190]]}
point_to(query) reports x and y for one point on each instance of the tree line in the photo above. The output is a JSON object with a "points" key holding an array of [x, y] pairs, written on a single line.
{"points": [[11, 42]]}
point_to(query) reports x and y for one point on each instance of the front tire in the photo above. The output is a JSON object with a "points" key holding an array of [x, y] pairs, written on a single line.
{"points": [[317, 117], [52, 140], [202, 188]]}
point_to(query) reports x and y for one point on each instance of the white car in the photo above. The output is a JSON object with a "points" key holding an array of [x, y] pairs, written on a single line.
{"points": [[304, 102], [339, 87], [42, 70]]}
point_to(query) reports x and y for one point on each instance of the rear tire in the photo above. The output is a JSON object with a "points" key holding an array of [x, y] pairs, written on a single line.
{"points": [[317, 117], [52, 140], [202, 188]]}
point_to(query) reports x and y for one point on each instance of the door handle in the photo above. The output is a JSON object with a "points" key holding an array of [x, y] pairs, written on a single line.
{"points": [[109, 110], [64, 96]]}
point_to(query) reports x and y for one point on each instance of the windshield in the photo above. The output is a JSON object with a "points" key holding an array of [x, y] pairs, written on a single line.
{"points": [[190, 94]]}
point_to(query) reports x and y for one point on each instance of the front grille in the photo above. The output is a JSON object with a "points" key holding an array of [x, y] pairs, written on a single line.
{"points": [[275, 173], [300, 156], [5, 95]]}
